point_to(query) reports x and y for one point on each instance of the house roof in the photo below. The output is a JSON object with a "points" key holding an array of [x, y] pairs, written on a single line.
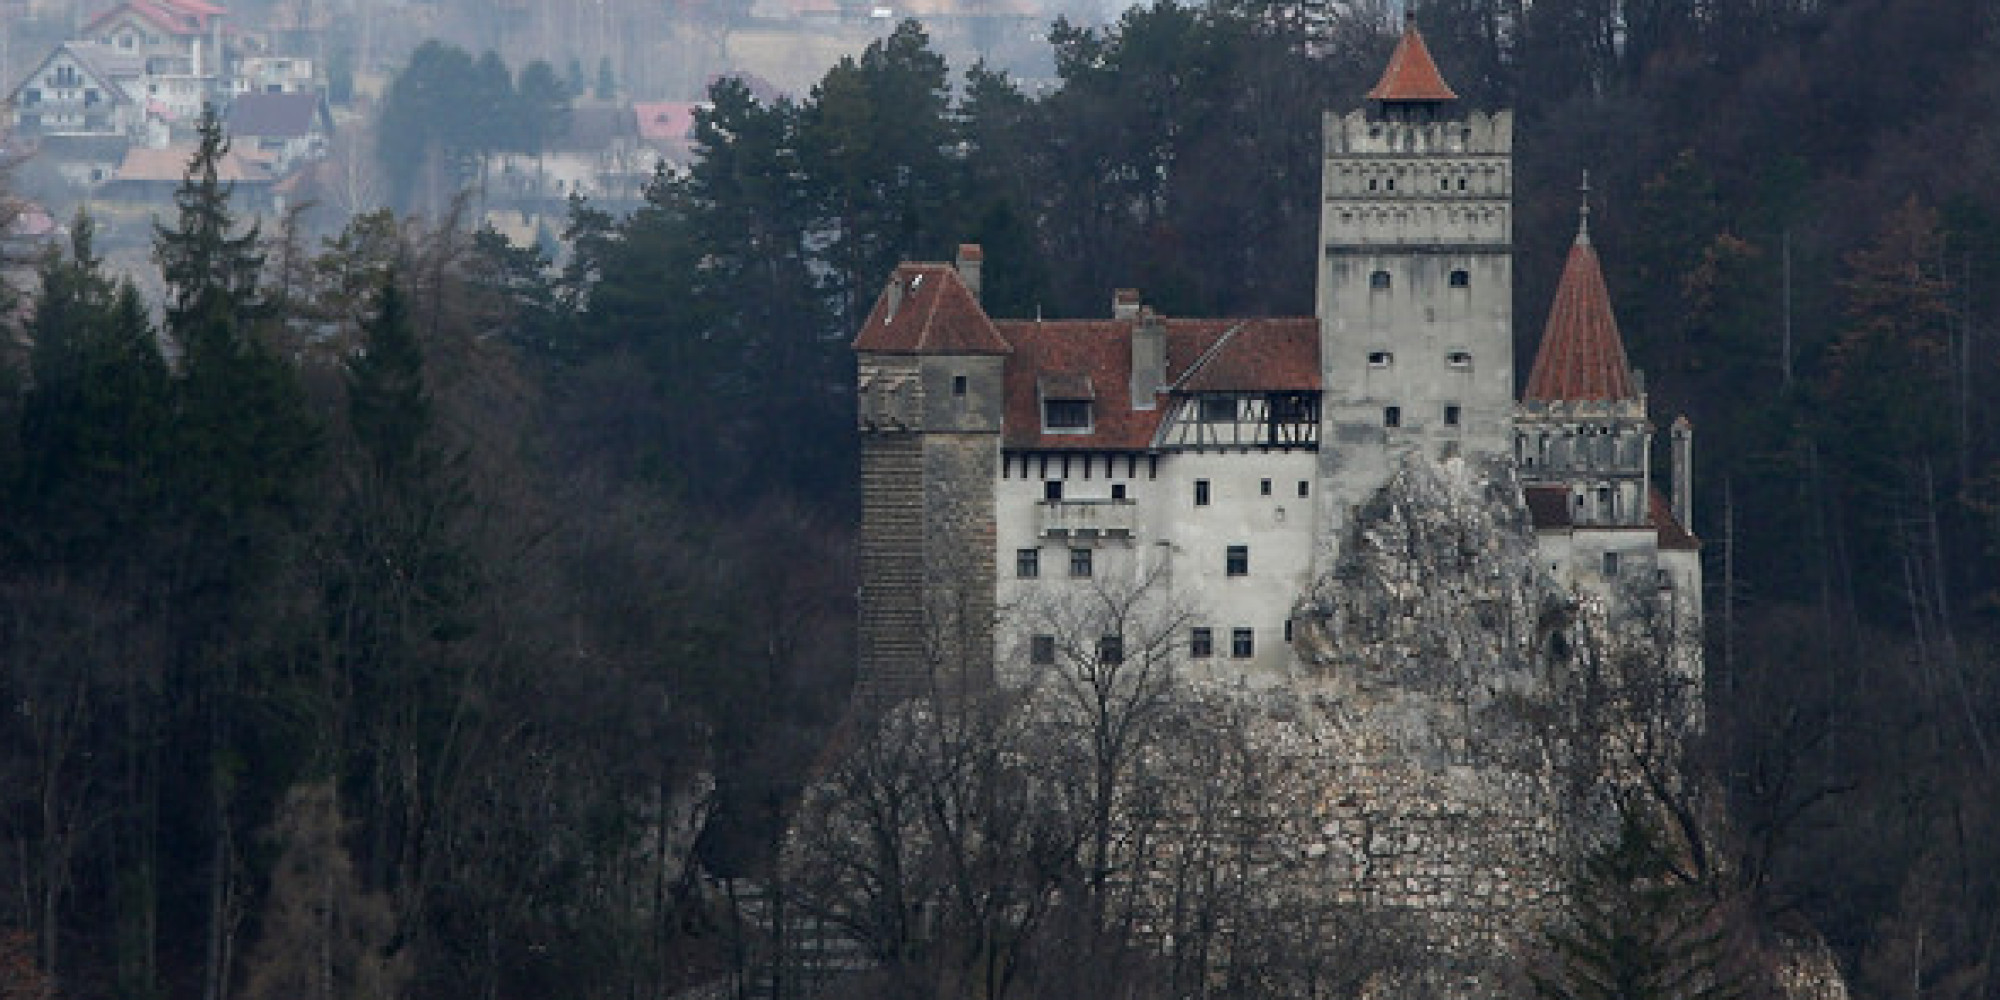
{"points": [[1581, 356], [177, 17], [171, 164], [1412, 75], [103, 63], [1203, 355], [279, 115], [926, 309], [1549, 510]]}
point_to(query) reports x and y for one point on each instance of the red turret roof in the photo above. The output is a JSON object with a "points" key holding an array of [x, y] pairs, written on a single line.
{"points": [[1582, 356], [1411, 75], [926, 309]]}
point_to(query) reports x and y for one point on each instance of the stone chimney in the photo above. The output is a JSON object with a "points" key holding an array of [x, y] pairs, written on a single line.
{"points": [[1682, 433], [1125, 303], [1149, 356], [970, 257]]}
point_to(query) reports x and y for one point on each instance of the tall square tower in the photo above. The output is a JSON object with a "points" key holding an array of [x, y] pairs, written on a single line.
{"points": [[1415, 292]]}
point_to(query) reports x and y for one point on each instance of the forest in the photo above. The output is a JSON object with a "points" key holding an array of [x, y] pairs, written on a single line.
{"points": [[406, 614]]}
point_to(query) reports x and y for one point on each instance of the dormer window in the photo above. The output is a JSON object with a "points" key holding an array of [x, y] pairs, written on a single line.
{"points": [[1066, 414], [1066, 403]]}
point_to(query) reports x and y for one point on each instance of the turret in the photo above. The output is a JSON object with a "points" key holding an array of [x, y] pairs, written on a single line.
{"points": [[930, 394]]}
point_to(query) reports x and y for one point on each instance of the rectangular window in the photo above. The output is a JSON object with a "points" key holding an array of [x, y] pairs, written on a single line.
{"points": [[1304, 488], [1392, 416], [1111, 649], [1042, 649], [1380, 359], [1052, 489], [1079, 562], [1201, 643], [1028, 563], [1451, 413], [1238, 560], [1201, 492], [958, 385], [1066, 414], [1242, 643], [1117, 491], [1218, 409], [1288, 630], [1611, 564], [1264, 488]]}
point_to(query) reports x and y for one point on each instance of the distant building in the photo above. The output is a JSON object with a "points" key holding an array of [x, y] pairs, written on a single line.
{"points": [[1015, 465], [282, 130]]}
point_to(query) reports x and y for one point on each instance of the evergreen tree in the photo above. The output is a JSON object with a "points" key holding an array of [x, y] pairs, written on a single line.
{"points": [[94, 421], [1638, 930]]}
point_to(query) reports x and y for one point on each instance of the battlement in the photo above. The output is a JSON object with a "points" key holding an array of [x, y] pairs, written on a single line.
{"points": [[1477, 133]]}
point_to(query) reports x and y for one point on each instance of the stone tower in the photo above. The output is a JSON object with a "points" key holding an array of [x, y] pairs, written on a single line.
{"points": [[931, 369], [1582, 421], [1415, 293]]}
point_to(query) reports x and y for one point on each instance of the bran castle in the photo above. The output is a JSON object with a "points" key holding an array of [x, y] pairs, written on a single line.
{"points": [[1015, 465]]}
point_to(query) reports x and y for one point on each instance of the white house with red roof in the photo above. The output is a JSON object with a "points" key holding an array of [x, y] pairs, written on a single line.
{"points": [[182, 46], [1035, 491]]}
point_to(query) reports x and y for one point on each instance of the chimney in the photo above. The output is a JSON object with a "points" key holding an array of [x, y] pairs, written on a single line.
{"points": [[1149, 356], [1125, 303], [1683, 463], [969, 259]]}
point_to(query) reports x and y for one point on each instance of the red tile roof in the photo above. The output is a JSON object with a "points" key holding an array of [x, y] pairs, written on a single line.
{"points": [[1549, 510], [1412, 75], [1581, 356], [1548, 506], [1673, 534], [926, 309], [1203, 355], [665, 121]]}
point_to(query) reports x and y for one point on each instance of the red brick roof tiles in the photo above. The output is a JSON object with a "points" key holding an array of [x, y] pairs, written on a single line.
{"points": [[1269, 355], [1581, 356], [1549, 510], [926, 309], [1412, 75], [1673, 534]]}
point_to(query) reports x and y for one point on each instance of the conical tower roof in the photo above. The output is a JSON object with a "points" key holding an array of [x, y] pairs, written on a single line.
{"points": [[1582, 357], [1412, 75]]}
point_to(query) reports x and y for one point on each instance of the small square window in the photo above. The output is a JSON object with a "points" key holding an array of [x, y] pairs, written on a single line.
{"points": [[1305, 488], [1201, 643], [958, 385], [1052, 489], [1028, 563], [1461, 279], [1264, 488], [1392, 416], [1079, 562], [1459, 359], [1201, 492], [1238, 560], [1242, 643], [1117, 491], [1042, 649], [1380, 359], [1379, 279], [1451, 414], [1111, 649]]}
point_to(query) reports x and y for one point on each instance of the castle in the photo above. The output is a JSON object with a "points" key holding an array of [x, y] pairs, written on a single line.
{"points": [[1015, 468]]}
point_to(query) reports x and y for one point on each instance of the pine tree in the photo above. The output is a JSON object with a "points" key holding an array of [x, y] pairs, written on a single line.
{"points": [[94, 421], [1638, 931]]}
